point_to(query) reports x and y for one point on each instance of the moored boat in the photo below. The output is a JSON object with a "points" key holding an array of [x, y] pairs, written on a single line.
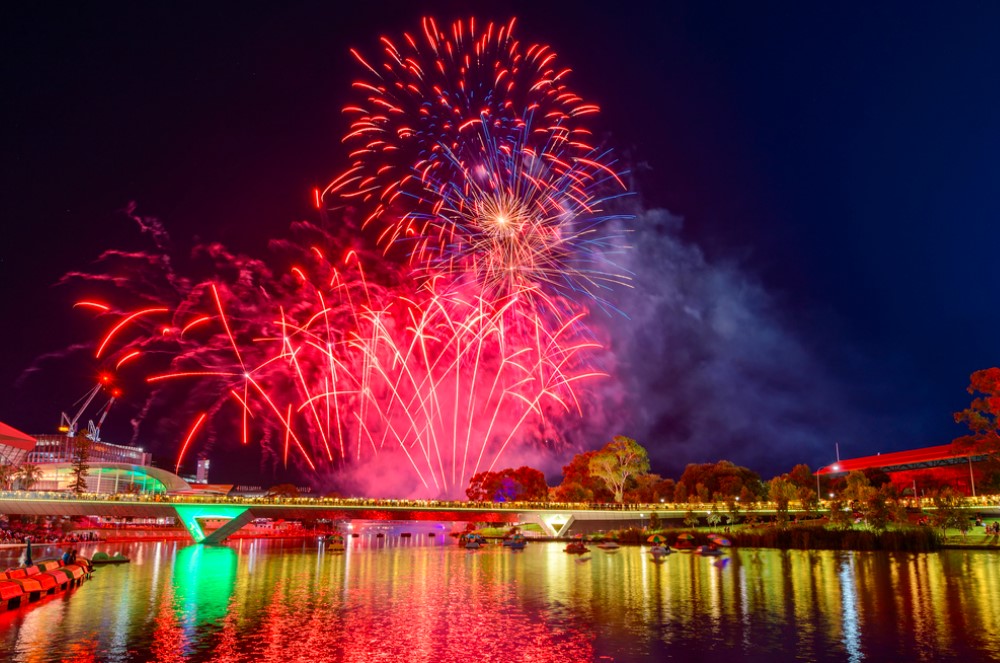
{"points": [[100, 558], [21, 585], [335, 542]]}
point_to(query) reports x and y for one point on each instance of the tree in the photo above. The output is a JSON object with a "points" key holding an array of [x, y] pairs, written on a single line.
{"points": [[7, 474], [80, 464], [282, 490], [619, 460], [801, 476], [509, 485], [680, 493], [881, 508], [733, 510], [948, 512], [722, 479], [578, 485], [859, 490], [840, 514], [808, 499], [28, 475], [649, 489], [781, 492], [569, 492], [982, 416]]}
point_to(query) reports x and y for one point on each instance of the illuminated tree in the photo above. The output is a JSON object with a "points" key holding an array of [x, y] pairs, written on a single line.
{"points": [[808, 499], [982, 416], [948, 511], [881, 508], [28, 475], [859, 490], [781, 492], [840, 514], [282, 490], [578, 484], [719, 480], [509, 485], [80, 464], [801, 476], [680, 493], [619, 460], [650, 488], [7, 474]]}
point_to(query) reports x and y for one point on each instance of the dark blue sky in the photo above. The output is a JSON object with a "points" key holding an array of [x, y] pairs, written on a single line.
{"points": [[837, 161]]}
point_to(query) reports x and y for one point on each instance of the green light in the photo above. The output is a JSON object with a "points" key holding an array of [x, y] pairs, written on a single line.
{"points": [[203, 579], [190, 513]]}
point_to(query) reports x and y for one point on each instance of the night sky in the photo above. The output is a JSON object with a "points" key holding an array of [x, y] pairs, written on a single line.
{"points": [[817, 183]]}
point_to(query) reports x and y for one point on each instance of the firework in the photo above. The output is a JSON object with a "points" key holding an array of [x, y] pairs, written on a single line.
{"points": [[469, 151], [469, 148]]}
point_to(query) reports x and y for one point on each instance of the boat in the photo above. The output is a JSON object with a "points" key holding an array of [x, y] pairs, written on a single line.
{"points": [[660, 553], [516, 542], [472, 541], [708, 551], [335, 542], [576, 548], [101, 558], [609, 546], [29, 583]]}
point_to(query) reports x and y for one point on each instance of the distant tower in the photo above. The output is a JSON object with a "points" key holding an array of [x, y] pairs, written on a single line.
{"points": [[202, 473]]}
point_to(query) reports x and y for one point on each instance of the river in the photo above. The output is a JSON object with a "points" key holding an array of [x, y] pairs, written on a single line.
{"points": [[423, 598]]}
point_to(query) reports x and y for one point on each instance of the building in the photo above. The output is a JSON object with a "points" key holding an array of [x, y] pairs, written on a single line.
{"points": [[56, 448], [112, 478], [919, 470], [112, 468], [202, 471], [15, 446]]}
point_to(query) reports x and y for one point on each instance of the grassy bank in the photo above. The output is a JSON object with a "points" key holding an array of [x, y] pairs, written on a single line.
{"points": [[807, 537]]}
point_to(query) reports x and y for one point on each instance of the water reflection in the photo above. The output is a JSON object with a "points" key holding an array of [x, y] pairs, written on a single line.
{"points": [[425, 599]]}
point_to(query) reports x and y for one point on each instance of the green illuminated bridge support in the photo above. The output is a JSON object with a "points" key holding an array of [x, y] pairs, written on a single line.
{"points": [[555, 519], [191, 515]]}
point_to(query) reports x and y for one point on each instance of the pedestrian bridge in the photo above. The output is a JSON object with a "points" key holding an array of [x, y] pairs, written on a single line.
{"points": [[556, 519]]}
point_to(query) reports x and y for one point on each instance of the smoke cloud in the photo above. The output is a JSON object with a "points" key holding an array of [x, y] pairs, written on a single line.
{"points": [[713, 368]]}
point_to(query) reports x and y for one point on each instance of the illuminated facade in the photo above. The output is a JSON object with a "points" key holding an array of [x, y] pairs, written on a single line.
{"points": [[59, 449], [112, 478]]}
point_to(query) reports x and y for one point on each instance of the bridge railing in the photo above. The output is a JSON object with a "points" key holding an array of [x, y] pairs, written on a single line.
{"points": [[388, 503]]}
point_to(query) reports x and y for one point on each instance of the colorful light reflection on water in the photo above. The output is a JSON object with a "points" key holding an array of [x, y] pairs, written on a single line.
{"points": [[426, 599]]}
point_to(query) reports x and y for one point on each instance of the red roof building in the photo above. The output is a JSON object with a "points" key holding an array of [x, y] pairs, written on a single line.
{"points": [[14, 445], [920, 469]]}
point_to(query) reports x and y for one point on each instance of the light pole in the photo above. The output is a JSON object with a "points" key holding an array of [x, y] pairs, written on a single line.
{"points": [[972, 479]]}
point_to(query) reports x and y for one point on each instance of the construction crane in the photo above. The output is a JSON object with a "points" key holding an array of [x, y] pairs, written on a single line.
{"points": [[69, 426], [94, 430]]}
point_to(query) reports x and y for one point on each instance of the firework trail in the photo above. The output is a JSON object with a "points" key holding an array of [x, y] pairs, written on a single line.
{"points": [[444, 349]]}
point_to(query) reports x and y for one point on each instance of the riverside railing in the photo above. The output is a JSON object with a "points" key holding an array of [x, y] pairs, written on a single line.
{"points": [[722, 508]]}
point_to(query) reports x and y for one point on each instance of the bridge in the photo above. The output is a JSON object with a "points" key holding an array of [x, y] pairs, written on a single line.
{"points": [[555, 519]]}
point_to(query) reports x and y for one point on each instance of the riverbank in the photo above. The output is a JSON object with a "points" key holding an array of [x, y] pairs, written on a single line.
{"points": [[824, 537]]}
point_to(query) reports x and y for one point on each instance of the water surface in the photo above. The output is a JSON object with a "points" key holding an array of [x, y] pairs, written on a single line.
{"points": [[426, 599]]}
